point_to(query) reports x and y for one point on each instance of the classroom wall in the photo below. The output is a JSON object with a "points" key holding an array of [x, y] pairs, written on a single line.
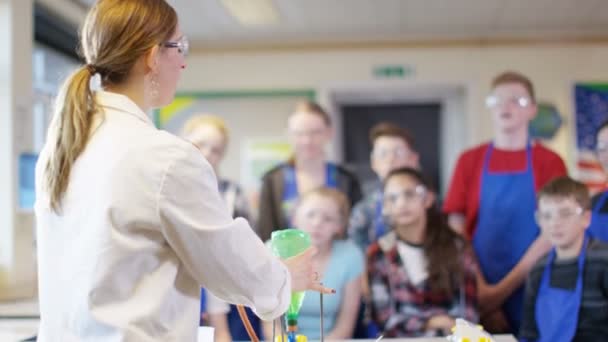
{"points": [[17, 267], [553, 68]]}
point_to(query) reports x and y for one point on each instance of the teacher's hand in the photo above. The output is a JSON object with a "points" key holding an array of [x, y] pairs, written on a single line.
{"points": [[303, 276]]}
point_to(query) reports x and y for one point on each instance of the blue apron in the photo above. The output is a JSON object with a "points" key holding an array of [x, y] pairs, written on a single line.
{"points": [[556, 309], [290, 188], [599, 222], [506, 226]]}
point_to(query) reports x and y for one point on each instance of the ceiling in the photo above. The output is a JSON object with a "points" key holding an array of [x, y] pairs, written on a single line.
{"points": [[310, 22]]}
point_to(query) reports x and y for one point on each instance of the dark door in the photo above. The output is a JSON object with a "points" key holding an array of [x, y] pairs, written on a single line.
{"points": [[421, 119]]}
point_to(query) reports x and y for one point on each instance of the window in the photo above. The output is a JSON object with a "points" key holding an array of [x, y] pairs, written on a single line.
{"points": [[50, 69]]}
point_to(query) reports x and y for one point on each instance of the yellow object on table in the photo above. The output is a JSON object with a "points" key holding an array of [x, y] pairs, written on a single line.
{"points": [[464, 331], [299, 338]]}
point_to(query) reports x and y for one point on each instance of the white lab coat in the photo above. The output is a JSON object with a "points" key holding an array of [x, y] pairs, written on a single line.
{"points": [[142, 228]]}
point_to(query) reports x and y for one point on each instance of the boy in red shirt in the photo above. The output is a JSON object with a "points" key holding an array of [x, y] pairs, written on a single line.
{"points": [[492, 199]]}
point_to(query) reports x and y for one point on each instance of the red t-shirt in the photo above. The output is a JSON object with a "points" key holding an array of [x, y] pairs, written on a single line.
{"points": [[463, 194]]}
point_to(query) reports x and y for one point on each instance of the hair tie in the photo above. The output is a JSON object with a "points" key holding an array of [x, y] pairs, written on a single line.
{"points": [[95, 83], [91, 68]]}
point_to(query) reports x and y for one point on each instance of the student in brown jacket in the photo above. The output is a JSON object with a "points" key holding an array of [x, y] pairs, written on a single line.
{"points": [[310, 130]]}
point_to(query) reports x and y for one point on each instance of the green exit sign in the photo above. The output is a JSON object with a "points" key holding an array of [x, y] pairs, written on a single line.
{"points": [[393, 71]]}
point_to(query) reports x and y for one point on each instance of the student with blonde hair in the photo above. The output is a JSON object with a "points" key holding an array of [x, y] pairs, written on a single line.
{"points": [[211, 136], [130, 223], [323, 213]]}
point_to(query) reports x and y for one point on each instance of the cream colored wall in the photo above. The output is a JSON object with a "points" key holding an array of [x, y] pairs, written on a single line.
{"points": [[17, 268], [248, 119], [553, 68]]}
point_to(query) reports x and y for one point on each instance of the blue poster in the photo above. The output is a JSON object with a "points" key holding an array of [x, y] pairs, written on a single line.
{"points": [[591, 101], [27, 180]]}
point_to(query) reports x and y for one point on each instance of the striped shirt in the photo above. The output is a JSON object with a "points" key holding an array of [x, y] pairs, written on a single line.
{"points": [[593, 314]]}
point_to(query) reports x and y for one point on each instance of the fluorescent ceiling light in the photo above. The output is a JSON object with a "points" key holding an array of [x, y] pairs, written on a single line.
{"points": [[252, 12]]}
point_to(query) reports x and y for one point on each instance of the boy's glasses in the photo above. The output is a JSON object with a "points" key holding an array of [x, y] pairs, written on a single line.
{"points": [[384, 154], [312, 134], [494, 101], [182, 45], [214, 150], [563, 215], [321, 216], [408, 195]]}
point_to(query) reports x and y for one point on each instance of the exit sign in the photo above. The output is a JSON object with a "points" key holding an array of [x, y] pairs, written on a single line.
{"points": [[393, 71]]}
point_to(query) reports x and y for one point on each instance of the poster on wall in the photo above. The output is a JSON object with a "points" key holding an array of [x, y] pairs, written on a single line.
{"points": [[173, 116], [546, 123], [591, 105], [261, 155]]}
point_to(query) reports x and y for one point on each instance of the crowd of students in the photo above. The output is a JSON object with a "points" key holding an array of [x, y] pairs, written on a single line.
{"points": [[404, 266]]}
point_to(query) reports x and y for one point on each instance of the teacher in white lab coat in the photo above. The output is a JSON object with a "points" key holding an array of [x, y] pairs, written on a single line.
{"points": [[130, 223]]}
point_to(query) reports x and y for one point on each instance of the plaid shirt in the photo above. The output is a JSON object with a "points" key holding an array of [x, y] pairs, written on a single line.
{"points": [[402, 309]]}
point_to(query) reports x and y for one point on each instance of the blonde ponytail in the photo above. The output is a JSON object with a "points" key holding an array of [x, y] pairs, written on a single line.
{"points": [[69, 132], [115, 35]]}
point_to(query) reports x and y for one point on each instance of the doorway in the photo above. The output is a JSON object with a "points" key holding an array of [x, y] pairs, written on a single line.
{"points": [[422, 120]]}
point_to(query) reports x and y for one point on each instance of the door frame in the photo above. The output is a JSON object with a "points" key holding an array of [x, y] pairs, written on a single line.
{"points": [[453, 119]]}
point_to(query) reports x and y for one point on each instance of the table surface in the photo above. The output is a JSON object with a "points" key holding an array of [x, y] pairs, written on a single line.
{"points": [[497, 338], [19, 321], [20, 329]]}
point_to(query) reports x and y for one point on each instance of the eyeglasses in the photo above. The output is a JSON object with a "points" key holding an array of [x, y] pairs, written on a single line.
{"points": [[314, 134], [313, 214], [408, 195], [182, 45], [494, 101], [563, 215], [385, 153], [212, 149]]}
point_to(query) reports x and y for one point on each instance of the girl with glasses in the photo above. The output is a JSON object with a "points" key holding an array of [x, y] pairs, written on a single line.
{"points": [[422, 275]]}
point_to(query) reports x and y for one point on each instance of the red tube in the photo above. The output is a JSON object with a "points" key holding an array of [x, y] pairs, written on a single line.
{"points": [[247, 323]]}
